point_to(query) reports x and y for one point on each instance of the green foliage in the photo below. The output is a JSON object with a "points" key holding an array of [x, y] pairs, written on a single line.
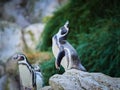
{"points": [[45, 19], [99, 49], [82, 15], [94, 33], [48, 69]]}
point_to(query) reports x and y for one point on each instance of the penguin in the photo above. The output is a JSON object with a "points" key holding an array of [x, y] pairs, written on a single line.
{"points": [[64, 52], [39, 77], [28, 76]]}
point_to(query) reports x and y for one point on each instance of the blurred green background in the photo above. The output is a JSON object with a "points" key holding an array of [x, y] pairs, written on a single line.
{"points": [[94, 33]]}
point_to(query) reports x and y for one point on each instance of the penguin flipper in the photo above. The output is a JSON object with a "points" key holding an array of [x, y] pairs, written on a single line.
{"points": [[61, 54]]}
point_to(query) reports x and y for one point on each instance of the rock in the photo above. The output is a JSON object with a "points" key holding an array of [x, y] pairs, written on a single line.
{"points": [[47, 88], [11, 67], [9, 83], [41, 8], [2, 68], [28, 11], [10, 40], [12, 76], [79, 80], [3, 81], [14, 83], [2, 71], [32, 34], [14, 12]]}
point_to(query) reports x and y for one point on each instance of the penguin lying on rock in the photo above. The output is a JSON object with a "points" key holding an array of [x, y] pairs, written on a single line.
{"points": [[64, 53], [30, 78]]}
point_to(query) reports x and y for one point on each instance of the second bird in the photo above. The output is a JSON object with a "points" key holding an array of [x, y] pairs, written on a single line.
{"points": [[63, 51]]}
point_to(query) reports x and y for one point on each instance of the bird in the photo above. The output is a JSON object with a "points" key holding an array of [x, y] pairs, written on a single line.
{"points": [[64, 52], [39, 77], [29, 77]]}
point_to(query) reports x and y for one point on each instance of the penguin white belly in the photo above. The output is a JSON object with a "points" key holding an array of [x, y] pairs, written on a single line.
{"points": [[39, 80], [66, 61], [25, 76], [55, 50]]}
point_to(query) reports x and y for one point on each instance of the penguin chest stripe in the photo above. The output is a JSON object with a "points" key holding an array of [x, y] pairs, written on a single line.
{"points": [[55, 37], [67, 56]]}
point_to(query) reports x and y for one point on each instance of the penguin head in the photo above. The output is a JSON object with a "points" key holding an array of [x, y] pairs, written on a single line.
{"points": [[36, 68], [63, 31], [61, 35], [20, 58]]}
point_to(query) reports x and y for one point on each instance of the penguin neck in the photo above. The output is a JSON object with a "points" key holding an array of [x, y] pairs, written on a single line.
{"points": [[62, 41], [25, 71], [26, 64]]}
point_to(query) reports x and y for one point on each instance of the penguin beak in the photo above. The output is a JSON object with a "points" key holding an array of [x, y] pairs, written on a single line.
{"points": [[66, 25], [15, 57]]}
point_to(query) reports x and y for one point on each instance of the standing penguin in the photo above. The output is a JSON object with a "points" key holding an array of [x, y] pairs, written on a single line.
{"points": [[64, 53], [39, 77], [28, 76]]}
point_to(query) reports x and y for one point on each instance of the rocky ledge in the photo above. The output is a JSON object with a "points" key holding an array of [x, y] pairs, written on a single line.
{"points": [[79, 80]]}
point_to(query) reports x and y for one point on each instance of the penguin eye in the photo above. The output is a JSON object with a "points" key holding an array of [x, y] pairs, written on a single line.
{"points": [[21, 58], [63, 31]]}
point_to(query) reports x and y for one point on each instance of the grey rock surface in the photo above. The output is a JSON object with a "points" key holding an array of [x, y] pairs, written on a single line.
{"points": [[10, 40], [32, 34], [79, 80]]}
